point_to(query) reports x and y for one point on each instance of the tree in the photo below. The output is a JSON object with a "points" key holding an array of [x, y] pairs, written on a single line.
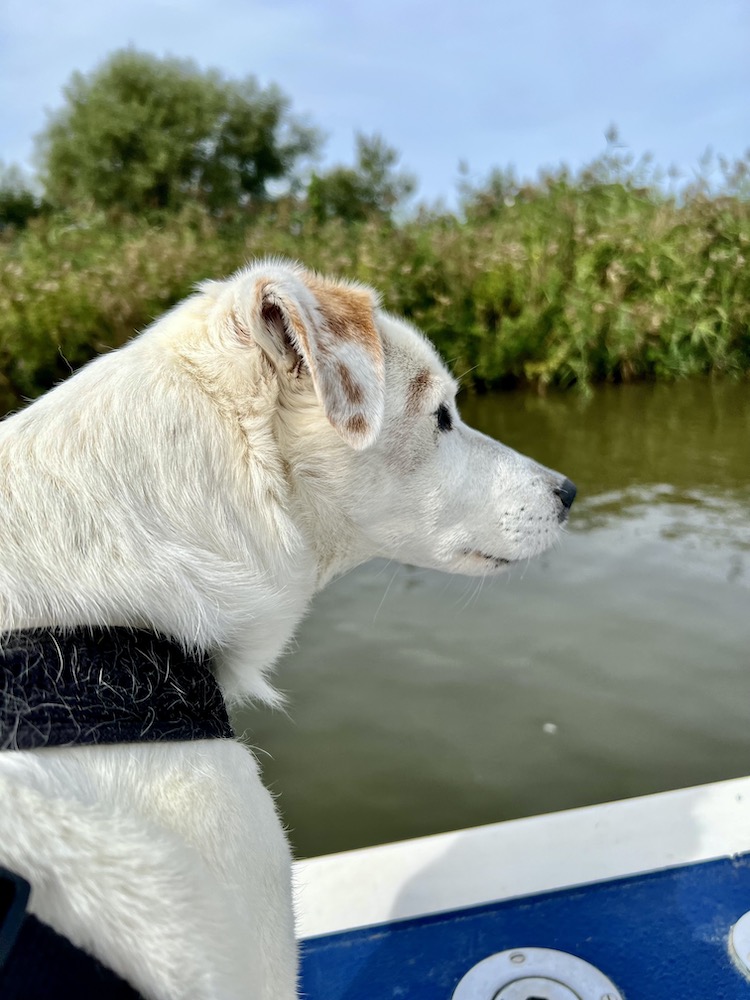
{"points": [[18, 202], [371, 187], [141, 133]]}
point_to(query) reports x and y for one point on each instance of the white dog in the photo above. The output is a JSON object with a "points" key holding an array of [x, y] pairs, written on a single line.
{"points": [[204, 482]]}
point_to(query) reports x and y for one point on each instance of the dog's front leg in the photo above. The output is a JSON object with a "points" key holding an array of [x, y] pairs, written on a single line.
{"points": [[167, 862], [211, 794], [255, 856], [121, 887]]}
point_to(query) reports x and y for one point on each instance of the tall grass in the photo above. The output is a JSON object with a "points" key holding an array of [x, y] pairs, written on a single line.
{"points": [[567, 281]]}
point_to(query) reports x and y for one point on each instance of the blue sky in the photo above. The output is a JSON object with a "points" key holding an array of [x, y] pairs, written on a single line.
{"points": [[491, 83]]}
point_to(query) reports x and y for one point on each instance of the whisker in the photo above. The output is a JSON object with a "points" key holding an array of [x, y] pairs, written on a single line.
{"points": [[382, 601]]}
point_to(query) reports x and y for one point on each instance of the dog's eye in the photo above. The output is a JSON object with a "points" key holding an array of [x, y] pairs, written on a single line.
{"points": [[444, 418]]}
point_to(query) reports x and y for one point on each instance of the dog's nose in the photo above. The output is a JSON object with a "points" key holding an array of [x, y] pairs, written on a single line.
{"points": [[567, 493]]}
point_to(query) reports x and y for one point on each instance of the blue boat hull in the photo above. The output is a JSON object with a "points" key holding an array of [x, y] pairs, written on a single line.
{"points": [[658, 936], [647, 891]]}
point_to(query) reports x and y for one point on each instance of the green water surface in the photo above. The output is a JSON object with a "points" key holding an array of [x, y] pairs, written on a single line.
{"points": [[616, 665]]}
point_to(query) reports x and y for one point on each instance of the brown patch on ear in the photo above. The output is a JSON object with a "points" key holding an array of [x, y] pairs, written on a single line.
{"points": [[303, 321], [353, 392], [417, 388], [357, 425], [348, 313]]}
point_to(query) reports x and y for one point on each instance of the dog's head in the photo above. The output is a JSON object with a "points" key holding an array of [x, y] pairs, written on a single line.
{"points": [[269, 433], [379, 460]]}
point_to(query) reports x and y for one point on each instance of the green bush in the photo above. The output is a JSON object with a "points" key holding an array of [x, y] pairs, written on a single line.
{"points": [[18, 202], [566, 282]]}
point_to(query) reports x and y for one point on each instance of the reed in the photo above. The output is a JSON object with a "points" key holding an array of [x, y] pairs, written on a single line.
{"points": [[569, 281]]}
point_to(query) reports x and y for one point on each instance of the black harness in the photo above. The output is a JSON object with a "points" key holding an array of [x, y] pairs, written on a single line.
{"points": [[88, 686], [115, 685]]}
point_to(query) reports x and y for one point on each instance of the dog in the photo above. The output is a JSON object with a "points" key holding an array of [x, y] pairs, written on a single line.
{"points": [[201, 484]]}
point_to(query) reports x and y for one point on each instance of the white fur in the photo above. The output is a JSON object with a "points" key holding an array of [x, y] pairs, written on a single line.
{"points": [[205, 481]]}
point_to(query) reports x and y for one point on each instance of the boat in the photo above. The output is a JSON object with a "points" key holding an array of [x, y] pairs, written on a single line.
{"points": [[641, 899]]}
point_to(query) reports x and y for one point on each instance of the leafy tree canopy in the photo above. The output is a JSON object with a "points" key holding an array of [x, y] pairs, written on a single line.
{"points": [[372, 187], [142, 133]]}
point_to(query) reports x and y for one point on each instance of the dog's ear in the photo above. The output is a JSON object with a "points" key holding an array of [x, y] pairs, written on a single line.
{"points": [[295, 316]]}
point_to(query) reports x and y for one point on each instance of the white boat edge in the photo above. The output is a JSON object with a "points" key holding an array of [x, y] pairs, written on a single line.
{"points": [[450, 871]]}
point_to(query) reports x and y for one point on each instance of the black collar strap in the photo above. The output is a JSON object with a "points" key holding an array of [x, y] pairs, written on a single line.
{"points": [[66, 688]]}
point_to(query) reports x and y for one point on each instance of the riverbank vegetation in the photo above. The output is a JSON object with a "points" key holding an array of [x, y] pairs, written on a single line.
{"points": [[610, 273]]}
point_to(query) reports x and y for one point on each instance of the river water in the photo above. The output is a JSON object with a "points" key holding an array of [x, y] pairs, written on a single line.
{"points": [[616, 665]]}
